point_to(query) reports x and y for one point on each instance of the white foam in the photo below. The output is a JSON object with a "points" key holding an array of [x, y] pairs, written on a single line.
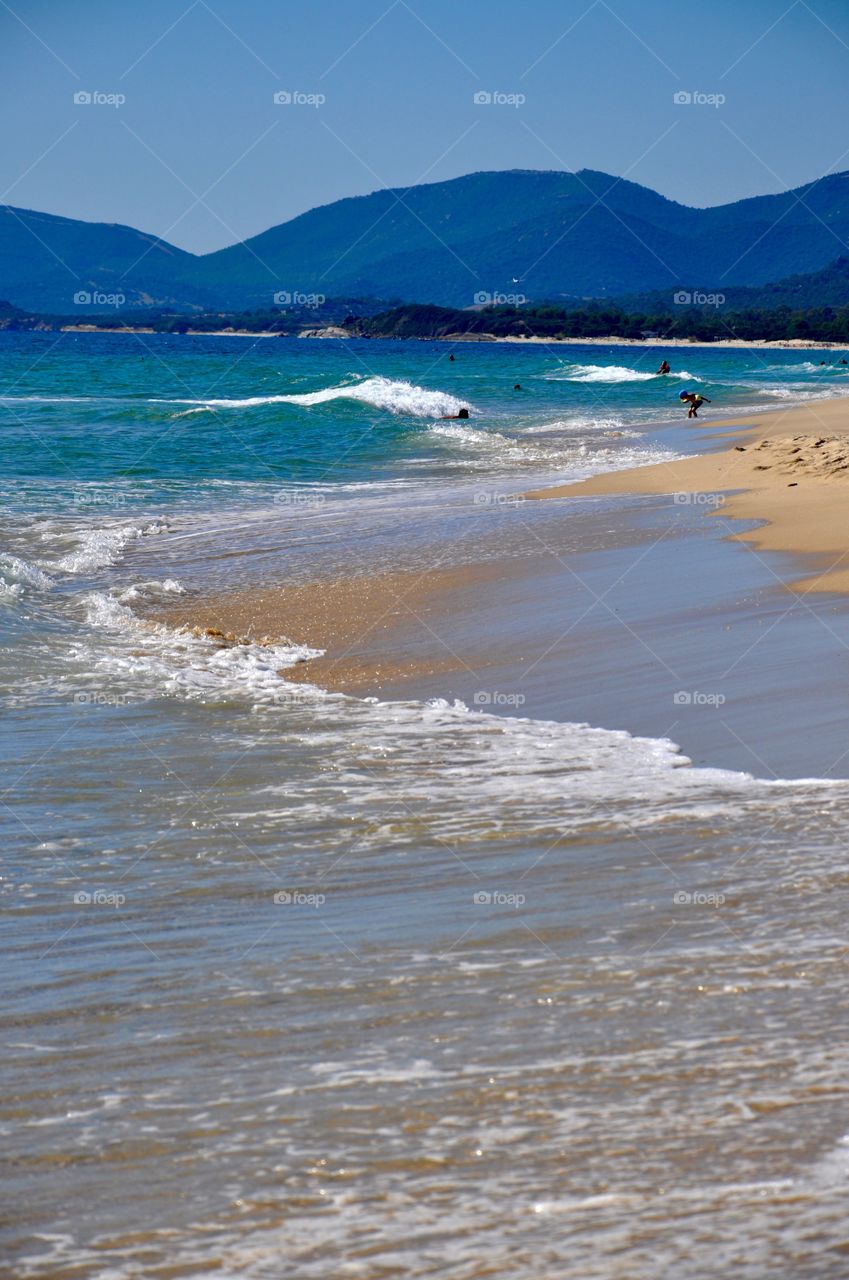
{"points": [[151, 591], [104, 545], [17, 574], [564, 452], [579, 424], [800, 395], [394, 395], [614, 373], [157, 659], [526, 774], [808, 366]]}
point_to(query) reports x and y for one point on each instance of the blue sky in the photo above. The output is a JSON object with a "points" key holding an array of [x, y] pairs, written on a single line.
{"points": [[201, 154]]}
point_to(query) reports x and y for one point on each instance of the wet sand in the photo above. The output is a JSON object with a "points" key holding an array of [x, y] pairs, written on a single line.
{"points": [[653, 618], [376, 630], [789, 469]]}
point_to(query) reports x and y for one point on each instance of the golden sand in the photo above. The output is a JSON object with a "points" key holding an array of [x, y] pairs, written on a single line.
{"points": [[375, 629]]}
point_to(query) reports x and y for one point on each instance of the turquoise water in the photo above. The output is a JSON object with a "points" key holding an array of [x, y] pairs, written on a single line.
{"points": [[304, 984]]}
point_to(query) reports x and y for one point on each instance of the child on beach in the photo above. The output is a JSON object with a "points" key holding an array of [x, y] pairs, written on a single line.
{"points": [[695, 401]]}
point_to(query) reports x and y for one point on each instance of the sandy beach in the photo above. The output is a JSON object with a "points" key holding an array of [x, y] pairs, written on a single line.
{"points": [[788, 469], [660, 598], [742, 344], [786, 474], [356, 621], [334, 332]]}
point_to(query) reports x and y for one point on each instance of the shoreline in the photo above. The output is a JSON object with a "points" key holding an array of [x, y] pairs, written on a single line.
{"points": [[186, 333], [604, 621], [788, 469], [781, 468], [361, 623], [779, 344]]}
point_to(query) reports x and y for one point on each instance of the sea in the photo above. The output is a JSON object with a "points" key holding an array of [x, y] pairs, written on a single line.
{"points": [[305, 984]]}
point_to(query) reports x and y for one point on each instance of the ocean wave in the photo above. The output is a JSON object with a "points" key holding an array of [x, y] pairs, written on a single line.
{"points": [[799, 395], [103, 546], [392, 394], [527, 773], [614, 373], [577, 458], [16, 574], [50, 399], [579, 424], [156, 657], [808, 366], [151, 591]]}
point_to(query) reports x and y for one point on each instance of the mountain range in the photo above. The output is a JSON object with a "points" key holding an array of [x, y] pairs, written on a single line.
{"points": [[487, 236]]}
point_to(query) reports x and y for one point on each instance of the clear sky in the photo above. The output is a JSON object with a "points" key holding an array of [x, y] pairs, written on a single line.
{"points": [[201, 154]]}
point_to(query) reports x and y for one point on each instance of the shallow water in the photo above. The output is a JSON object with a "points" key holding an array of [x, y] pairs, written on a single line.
{"points": [[298, 983]]}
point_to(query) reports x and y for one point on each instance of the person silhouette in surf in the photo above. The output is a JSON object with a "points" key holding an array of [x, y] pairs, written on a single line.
{"points": [[695, 401]]}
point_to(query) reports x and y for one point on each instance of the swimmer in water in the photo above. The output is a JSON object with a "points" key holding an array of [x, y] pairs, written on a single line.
{"points": [[452, 417]]}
